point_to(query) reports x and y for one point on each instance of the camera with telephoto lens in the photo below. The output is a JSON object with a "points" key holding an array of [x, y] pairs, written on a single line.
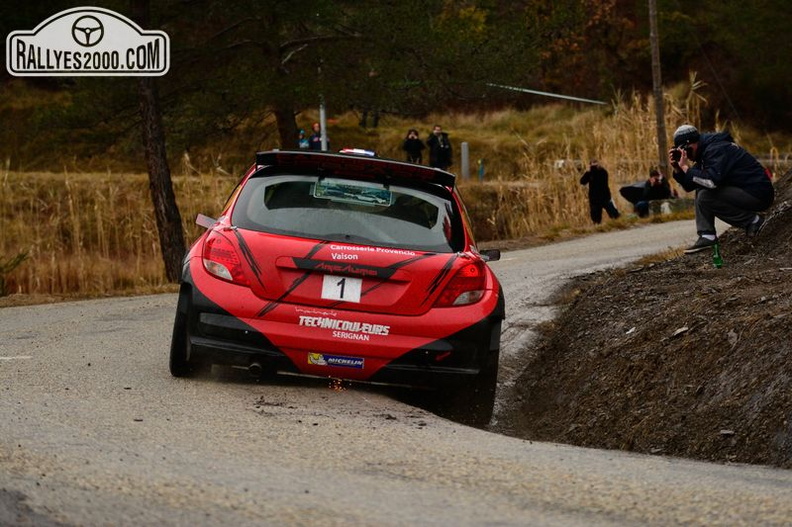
{"points": [[676, 155]]}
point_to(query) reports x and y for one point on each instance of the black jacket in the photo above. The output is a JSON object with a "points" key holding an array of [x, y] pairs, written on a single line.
{"points": [[722, 163], [661, 191], [439, 151], [414, 149], [597, 180]]}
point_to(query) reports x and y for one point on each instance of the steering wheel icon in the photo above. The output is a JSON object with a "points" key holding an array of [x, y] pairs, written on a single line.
{"points": [[87, 31]]}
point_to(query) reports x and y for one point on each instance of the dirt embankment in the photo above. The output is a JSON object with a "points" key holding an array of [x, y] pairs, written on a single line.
{"points": [[677, 358]]}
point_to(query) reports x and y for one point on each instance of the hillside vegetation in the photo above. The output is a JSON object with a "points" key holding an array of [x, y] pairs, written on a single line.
{"points": [[84, 233], [246, 68]]}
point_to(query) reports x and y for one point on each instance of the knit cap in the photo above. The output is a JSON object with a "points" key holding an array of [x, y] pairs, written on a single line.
{"points": [[685, 135]]}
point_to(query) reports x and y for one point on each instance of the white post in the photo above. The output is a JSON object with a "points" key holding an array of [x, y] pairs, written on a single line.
{"points": [[322, 124], [465, 167]]}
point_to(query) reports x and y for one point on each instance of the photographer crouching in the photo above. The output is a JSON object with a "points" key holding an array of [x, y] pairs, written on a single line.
{"points": [[730, 183]]}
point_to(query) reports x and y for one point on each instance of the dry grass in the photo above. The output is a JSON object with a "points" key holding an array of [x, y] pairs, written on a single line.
{"points": [[91, 234], [94, 234]]}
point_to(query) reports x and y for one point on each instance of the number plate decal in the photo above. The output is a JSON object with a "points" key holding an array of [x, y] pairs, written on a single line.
{"points": [[344, 288]]}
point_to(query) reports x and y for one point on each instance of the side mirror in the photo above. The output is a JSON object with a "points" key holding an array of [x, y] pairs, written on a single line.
{"points": [[491, 255]]}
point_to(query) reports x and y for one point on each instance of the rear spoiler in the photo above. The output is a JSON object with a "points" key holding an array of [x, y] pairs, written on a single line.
{"points": [[361, 167]]}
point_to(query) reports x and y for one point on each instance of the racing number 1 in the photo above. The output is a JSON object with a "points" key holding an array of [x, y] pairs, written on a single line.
{"points": [[341, 288]]}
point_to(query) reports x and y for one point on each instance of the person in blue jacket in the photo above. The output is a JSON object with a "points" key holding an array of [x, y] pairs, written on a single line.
{"points": [[730, 183], [302, 141]]}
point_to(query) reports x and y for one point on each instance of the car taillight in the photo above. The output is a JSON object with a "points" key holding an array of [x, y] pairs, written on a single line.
{"points": [[466, 287], [220, 259]]}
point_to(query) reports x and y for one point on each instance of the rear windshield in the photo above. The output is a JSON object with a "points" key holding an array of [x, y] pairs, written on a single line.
{"points": [[349, 211]]}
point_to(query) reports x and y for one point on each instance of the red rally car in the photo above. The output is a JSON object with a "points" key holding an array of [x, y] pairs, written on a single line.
{"points": [[347, 267]]}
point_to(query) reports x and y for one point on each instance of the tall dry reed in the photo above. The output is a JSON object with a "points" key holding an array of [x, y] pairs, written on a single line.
{"points": [[92, 234], [95, 234]]}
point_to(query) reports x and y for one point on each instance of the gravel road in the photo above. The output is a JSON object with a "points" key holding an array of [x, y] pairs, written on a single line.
{"points": [[96, 432]]}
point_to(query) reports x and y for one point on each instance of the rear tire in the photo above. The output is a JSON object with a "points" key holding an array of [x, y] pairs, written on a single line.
{"points": [[181, 362], [472, 404]]}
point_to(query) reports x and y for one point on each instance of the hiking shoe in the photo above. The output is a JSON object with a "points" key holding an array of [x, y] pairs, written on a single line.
{"points": [[701, 244], [754, 228]]}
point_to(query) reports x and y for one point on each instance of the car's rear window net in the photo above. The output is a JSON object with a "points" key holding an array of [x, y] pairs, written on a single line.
{"points": [[349, 211]]}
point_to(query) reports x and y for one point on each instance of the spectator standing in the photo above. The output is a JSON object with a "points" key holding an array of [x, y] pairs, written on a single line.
{"points": [[730, 183], [315, 141], [599, 194], [414, 147], [302, 141], [439, 148]]}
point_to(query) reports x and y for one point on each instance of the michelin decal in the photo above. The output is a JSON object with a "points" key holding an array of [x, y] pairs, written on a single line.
{"points": [[322, 359]]}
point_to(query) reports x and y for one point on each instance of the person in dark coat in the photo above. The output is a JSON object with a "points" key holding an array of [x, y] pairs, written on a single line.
{"points": [[599, 193], [413, 146], [640, 194], [730, 183], [439, 148], [315, 140]]}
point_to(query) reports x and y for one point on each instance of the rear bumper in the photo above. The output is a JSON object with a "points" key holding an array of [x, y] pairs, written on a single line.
{"points": [[218, 337], [416, 375]]}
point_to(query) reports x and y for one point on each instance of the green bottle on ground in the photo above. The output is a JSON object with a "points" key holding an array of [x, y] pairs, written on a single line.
{"points": [[717, 259]]}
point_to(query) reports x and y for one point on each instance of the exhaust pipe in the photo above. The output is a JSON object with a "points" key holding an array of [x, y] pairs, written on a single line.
{"points": [[255, 370]]}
